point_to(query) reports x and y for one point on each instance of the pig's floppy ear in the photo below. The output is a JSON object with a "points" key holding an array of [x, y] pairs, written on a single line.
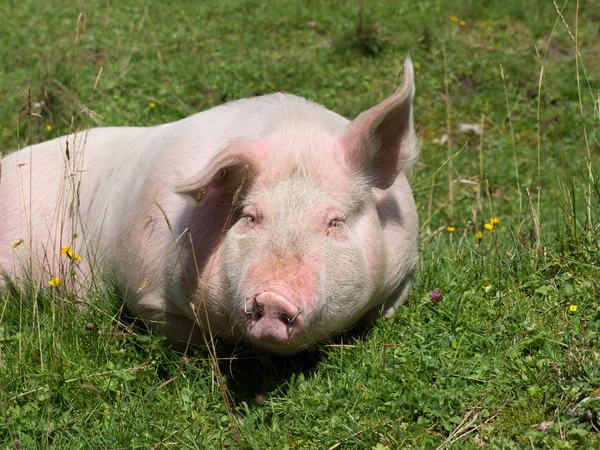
{"points": [[233, 165], [381, 141]]}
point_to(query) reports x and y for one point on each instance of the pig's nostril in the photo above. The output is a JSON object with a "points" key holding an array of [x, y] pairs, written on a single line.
{"points": [[273, 317], [291, 319], [253, 307]]}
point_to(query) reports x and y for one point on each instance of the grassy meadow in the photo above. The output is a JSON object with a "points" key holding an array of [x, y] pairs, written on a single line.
{"points": [[506, 356]]}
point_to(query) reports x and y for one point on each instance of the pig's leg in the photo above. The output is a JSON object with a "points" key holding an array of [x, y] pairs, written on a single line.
{"points": [[181, 331], [388, 307], [183, 334], [396, 300], [165, 319]]}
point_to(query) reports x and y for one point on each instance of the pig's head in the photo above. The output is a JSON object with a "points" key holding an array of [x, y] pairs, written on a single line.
{"points": [[303, 256]]}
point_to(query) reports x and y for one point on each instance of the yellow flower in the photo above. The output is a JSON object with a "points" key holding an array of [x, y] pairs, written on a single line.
{"points": [[450, 229], [54, 282], [48, 127], [67, 250], [573, 308], [462, 23], [488, 226], [152, 105], [494, 221], [454, 19], [479, 235], [16, 244]]}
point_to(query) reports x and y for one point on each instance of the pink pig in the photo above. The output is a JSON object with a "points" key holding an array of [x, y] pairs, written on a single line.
{"points": [[272, 220]]}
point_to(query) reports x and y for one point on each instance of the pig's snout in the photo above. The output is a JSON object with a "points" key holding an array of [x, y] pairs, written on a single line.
{"points": [[273, 317]]}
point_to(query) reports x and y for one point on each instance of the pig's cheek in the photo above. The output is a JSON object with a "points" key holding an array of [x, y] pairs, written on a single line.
{"points": [[352, 273], [239, 253], [344, 293], [368, 239]]}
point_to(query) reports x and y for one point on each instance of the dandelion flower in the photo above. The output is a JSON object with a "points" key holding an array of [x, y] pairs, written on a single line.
{"points": [[16, 244], [450, 229], [462, 23], [494, 221], [152, 105], [479, 235], [488, 226], [67, 250], [454, 19], [573, 308], [55, 281], [48, 127]]}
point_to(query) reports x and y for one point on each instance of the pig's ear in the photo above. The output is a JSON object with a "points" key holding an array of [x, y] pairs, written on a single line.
{"points": [[234, 165], [381, 141]]}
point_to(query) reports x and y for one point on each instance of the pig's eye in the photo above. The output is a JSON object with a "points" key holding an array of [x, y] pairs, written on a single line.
{"points": [[249, 219], [334, 226]]}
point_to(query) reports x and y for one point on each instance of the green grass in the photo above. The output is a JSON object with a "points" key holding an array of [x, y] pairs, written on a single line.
{"points": [[499, 355]]}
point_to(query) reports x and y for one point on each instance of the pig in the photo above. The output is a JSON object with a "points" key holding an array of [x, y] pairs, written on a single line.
{"points": [[271, 220]]}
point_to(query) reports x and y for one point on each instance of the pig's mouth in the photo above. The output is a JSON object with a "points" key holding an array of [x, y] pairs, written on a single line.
{"points": [[273, 319]]}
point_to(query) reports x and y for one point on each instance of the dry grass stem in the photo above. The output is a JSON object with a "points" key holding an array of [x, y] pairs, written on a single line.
{"points": [[449, 142], [536, 222], [481, 175], [539, 143], [514, 145], [588, 194]]}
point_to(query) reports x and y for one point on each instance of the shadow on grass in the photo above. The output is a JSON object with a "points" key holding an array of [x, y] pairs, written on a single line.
{"points": [[251, 374]]}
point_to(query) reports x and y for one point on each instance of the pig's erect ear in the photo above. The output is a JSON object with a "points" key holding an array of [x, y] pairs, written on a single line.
{"points": [[232, 166], [381, 141]]}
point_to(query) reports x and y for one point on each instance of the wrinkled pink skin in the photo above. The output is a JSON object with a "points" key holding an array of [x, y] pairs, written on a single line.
{"points": [[323, 233]]}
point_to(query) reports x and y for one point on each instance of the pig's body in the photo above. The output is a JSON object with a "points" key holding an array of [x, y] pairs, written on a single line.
{"points": [[264, 219]]}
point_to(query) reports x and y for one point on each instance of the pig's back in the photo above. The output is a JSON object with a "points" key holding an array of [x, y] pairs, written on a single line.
{"points": [[42, 187]]}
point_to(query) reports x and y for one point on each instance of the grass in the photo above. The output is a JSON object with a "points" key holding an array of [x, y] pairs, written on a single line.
{"points": [[501, 353]]}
